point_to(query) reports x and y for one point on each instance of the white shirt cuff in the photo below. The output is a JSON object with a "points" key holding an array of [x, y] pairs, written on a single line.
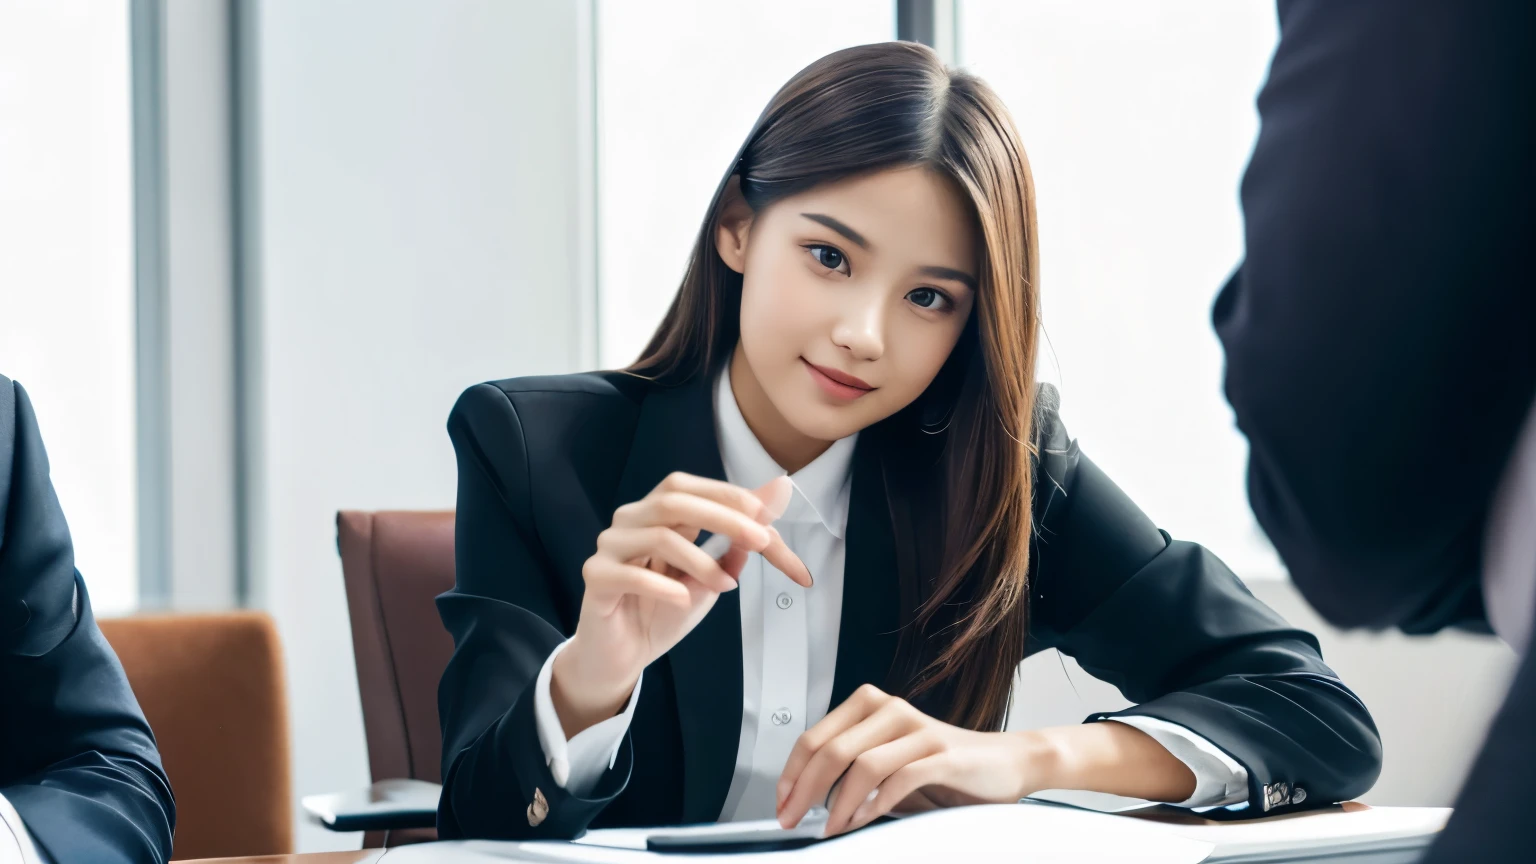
{"points": [[15, 840], [1219, 780], [579, 763]]}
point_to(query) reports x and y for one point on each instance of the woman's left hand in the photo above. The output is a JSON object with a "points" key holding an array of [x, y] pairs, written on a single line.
{"points": [[911, 762]]}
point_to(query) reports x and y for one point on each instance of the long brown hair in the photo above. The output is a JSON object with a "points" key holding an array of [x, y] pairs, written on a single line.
{"points": [[958, 461]]}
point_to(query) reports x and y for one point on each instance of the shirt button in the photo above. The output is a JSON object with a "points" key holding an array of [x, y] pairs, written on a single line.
{"points": [[782, 717], [785, 601]]}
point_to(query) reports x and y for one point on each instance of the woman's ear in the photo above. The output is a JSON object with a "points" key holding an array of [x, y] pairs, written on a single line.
{"points": [[734, 226]]}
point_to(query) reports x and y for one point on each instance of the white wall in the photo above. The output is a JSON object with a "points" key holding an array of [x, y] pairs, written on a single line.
{"points": [[417, 228], [66, 267]]}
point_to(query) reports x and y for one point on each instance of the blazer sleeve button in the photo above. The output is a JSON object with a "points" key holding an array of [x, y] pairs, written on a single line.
{"points": [[538, 808]]}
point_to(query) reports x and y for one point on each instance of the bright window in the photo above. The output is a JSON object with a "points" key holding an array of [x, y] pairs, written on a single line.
{"points": [[66, 267], [1138, 116]]}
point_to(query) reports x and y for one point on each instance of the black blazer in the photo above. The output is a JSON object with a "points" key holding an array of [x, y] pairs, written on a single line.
{"points": [[1381, 333], [543, 463], [77, 760]]}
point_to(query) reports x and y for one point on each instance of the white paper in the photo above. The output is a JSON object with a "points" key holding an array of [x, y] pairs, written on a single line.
{"points": [[967, 835], [1099, 802], [1026, 835], [1366, 828], [542, 852]]}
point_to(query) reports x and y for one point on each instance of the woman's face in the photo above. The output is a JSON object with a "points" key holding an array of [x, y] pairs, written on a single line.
{"points": [[854, 294]]}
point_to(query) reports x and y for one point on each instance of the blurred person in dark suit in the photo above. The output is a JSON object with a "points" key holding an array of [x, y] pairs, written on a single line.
{"points": [[80, 777], [1381, 341]]}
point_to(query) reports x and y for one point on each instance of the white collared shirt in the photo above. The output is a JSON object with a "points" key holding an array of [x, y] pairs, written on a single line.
{"points": [[788, 633], [16, 846], [789, 645]]}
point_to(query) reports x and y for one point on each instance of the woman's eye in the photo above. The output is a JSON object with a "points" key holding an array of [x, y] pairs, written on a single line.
{"points": [[927, 298], [828, 257]]}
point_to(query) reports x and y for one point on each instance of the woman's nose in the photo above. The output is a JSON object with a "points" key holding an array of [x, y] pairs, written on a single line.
{"points": [[861, 329]]}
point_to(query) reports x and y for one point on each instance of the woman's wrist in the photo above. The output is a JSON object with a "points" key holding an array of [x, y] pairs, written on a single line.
{"points": [[1041, 761], [1103, 757], [586, 693]]}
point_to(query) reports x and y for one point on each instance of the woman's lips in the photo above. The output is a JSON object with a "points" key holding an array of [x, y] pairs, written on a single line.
{"points": [[839, 385]]}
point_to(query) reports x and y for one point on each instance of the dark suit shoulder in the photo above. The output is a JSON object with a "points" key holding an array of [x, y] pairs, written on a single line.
{"points": [[609, 384], [560, 440], [534, 406]]}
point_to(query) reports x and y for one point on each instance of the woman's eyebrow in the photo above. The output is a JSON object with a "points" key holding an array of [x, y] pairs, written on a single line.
{"points": [[858, 240], [853, 236], [949, 273]]}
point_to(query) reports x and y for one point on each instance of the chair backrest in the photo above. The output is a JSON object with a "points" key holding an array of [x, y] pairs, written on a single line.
{"points": [[394, 564], [211, 686]]}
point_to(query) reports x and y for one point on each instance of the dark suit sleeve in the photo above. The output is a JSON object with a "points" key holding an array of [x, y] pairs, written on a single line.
{"points": [[1378, 335], [1169, 625], [77, 759], [506, 614]]}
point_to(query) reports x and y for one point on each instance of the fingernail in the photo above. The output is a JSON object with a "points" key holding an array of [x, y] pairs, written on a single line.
{"points": [[857, 818]]}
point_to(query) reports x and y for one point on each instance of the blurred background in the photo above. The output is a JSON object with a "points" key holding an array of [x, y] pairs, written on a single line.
{"points": [[252, 250]]}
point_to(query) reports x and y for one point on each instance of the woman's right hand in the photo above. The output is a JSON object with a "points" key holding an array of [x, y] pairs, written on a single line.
{"points": [[648, 585]]}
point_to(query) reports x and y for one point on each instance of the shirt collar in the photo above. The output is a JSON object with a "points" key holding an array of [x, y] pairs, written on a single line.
{"points": [[821, 488]]}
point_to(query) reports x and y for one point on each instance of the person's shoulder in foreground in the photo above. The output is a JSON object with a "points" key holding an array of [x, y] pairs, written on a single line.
{"points": [[1378, 335], [78, 762], [1379, 356]]}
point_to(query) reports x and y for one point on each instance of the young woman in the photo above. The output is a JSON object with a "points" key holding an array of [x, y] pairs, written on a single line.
{"points": [[860, 312]]}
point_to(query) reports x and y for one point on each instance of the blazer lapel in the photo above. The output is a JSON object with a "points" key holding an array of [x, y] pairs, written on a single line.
{"points": [[676, 432], [871, 617]]}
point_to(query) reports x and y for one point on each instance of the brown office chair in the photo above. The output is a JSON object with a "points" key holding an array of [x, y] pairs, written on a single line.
{"points": [[394, 564], [211, 686]]}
